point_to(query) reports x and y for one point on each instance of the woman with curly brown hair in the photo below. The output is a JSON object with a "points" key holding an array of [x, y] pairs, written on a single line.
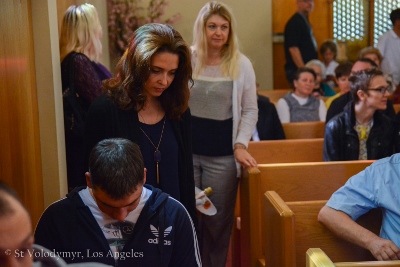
{"points": [[147, 103]]}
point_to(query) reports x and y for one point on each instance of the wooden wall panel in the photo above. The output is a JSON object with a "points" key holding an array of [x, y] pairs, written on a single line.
{"points": [[282, 10], [20, 162], [62, 6]]}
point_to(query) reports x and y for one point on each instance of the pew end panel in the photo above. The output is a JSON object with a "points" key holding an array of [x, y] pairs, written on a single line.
{"points": [[315, 257], [249, 205], [277, 233]]}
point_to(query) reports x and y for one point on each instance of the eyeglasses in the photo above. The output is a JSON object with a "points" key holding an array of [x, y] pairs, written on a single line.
{"points": [[382, 90]]}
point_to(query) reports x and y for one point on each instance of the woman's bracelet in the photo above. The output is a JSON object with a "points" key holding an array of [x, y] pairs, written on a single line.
{"points": [[238, 146]]}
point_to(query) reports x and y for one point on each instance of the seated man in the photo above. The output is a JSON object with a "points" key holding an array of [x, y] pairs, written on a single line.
{"points": [[375, 187], [16, 237], [117, 219]]}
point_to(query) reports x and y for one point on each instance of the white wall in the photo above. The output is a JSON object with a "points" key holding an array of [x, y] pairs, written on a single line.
{"points": [[254, 20]]}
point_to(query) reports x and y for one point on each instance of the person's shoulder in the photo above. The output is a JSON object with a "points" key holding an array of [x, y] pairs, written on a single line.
{"points": [[294, 18], [79, 58], [244, 60], [341, 100], [336, 121], [263, 99], [175, 210], [387, 163], [102, 102]]}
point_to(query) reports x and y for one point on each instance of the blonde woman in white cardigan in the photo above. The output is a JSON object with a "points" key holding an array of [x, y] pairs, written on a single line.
{"points": [[224, 110]]}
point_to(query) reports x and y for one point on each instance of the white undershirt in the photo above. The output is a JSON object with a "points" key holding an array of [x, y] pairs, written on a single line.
{"points": [[116, 233]]}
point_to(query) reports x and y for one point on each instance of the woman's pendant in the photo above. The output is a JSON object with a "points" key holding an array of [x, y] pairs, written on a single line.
{"points": [[158, 174], [157, 156], [157, 159]]}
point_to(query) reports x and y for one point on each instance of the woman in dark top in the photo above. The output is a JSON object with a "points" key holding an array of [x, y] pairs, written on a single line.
{"points": [[147, 103], [80, 51]]}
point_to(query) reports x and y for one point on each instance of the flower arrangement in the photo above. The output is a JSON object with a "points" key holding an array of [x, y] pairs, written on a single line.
{"points": [[125, 16]]}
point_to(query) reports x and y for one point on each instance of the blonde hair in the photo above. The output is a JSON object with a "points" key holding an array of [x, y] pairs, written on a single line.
{"points": [[81, 32], [230, 52], [370, 50]]}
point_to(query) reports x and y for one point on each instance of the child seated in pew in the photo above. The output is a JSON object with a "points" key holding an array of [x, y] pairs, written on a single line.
{"points": [[268, 126], [342, 74], [362, 131]]}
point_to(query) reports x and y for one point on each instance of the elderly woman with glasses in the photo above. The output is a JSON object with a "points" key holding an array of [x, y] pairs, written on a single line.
{"points": [[362, 131]]}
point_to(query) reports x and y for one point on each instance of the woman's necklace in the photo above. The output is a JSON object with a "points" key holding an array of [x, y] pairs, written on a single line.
{"points": [[157, 153]]}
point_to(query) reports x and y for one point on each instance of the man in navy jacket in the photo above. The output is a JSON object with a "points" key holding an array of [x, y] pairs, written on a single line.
{"points": [[117, 219]]}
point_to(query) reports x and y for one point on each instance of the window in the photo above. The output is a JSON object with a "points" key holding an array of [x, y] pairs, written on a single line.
{"points": [[382, 23], [348, 20]]}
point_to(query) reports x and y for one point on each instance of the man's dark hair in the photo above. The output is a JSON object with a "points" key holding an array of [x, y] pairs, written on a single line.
{"points": [[343, 69], [6, 208], [116, 167], [361, 80], [395, 15]]}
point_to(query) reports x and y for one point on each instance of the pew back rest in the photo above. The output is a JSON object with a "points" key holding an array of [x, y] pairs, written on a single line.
{"points": [[303, 181], [293, 182], [274, 95], [286, 151], [304, 130], [396, 108], [300, 219]]}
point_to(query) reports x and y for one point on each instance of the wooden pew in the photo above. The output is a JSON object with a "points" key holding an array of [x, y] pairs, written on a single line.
{"points": [[275, 151], [316, 257], [396, 108], [293, 182], [291, 228], [274, 95], [304, 130], [286, 151]]}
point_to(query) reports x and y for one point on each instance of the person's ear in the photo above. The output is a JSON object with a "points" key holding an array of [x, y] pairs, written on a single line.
{"points": [[295, 83], [88, 182], [361, 94], [144, 178]]}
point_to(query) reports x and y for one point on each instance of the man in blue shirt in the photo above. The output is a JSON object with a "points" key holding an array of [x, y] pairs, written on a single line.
{"points": [[377, 186]]}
